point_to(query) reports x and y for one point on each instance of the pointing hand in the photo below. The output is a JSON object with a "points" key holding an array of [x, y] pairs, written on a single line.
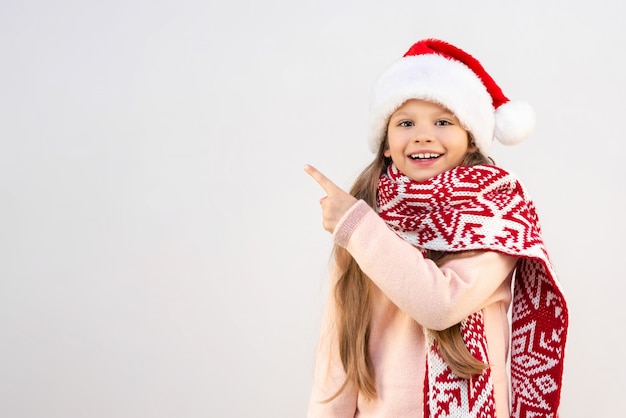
{"points": [[336, 202]]}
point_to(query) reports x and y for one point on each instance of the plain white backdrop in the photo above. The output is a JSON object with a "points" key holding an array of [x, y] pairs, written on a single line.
{"points": [[161, 248]]}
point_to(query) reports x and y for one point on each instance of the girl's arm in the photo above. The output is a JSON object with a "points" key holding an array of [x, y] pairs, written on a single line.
{"points": [[329, 375], [436, 297]]}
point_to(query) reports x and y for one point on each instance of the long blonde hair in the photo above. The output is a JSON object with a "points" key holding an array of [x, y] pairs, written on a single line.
{"points": [[353, 304]]}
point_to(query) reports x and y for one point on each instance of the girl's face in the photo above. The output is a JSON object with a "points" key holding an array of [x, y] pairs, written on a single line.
{"points": [[425, 139]]}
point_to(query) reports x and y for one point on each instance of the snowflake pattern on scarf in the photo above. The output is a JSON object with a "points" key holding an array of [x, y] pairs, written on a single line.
{"points": [[486, 208]]}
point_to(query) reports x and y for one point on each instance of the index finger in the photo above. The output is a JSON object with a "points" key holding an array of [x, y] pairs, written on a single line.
{"points": [[321, 179]]}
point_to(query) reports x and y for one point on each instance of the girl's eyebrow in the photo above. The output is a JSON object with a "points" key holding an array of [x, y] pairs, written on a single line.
{"points": [[405, 114], [446, 113], [401, 114]]}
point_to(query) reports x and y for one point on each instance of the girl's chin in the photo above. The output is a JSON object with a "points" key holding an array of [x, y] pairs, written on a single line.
{"points": [[422, 173]]}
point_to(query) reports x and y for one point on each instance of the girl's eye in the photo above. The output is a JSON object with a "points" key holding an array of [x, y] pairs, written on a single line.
{"points": [[405, 123], [443, 122]]}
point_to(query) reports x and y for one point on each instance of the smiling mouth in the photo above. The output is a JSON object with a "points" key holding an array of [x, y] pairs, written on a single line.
{"points": [[425, 156]]}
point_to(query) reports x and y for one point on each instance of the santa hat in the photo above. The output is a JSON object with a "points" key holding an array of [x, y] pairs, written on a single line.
{"points": [[439, 72]]}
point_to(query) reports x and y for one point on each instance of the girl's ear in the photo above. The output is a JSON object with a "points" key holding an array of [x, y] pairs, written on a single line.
{"points": [[471, 146], [387, 153]]}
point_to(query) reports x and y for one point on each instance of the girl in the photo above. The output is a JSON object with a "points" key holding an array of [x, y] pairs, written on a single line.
{"points": [[432, 245]]}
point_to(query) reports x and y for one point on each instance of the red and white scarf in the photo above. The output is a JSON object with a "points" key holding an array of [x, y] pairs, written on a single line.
{"points": [[486, 208]]}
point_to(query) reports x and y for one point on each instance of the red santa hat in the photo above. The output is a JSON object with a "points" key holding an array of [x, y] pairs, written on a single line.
{"points": [[439, 72]]}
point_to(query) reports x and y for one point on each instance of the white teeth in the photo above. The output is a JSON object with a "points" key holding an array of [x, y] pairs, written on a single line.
{"points": [[424, 156]]}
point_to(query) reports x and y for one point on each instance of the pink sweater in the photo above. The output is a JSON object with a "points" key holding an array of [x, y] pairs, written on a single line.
{"points": [[410, 293]]}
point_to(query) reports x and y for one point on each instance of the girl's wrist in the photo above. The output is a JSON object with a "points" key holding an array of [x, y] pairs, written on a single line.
{"points": [[349, 222]]}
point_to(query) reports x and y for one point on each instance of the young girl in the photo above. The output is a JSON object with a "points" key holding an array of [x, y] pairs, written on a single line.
{"points": [[432, 245]]}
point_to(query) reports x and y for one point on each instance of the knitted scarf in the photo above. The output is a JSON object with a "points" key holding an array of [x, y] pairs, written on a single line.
{"points": [[485, 208]]}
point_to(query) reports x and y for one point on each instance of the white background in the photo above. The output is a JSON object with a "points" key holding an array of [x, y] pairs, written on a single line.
{"points": [[161, 248]]}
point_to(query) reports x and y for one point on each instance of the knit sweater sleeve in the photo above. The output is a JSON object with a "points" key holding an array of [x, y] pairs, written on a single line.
{"points": [[436, 297]]}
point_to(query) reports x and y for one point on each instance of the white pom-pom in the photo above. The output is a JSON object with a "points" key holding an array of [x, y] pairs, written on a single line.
{"points": [[514, 122]]}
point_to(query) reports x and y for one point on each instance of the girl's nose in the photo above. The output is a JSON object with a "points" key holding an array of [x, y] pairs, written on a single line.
{"points": [[423, 134]]}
